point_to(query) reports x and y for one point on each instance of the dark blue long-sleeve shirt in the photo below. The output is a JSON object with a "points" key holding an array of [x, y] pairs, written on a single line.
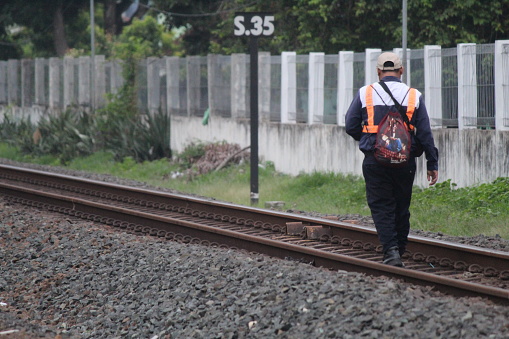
{"points": [[356, 118]]}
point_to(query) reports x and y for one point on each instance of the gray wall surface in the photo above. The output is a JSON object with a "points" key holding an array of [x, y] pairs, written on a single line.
{"points": [[467, 157]]}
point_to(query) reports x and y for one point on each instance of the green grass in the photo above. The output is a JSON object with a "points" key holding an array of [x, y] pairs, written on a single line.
{"points": [[443, 208]]}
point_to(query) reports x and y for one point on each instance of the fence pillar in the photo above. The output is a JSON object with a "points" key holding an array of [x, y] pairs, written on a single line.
{"points": [[288, 87], [219, 85], [41, 83], [172, 84], [370, 65], [467, 86], [264, 86], [193, 85], [69, 83], [502, 85], [54, 82], [100, 80], [345, 85], [316, 76], [117, 80], [239, 93], [212, 65], [84, 83], [27, 81], [153, 85], [3, 82], [13, 82], [433, 83], [407, 66]]}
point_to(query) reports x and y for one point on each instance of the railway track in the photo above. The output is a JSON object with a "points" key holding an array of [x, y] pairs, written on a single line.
{"points": [[452, 268]]}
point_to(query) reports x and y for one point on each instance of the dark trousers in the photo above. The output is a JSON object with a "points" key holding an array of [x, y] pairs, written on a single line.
{"points": [[388, 192]]}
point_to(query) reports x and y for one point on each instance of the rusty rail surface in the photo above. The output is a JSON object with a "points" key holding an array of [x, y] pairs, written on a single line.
{"points": [[452, 268]]}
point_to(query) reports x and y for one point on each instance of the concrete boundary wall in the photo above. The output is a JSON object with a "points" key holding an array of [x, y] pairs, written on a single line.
{"points": [[467, 157]]}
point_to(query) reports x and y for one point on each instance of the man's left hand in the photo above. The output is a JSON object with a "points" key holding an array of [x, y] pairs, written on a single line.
{"points": [[432, 177]]}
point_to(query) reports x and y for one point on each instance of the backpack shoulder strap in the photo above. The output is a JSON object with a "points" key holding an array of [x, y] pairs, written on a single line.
{"points": [[398, 105]]}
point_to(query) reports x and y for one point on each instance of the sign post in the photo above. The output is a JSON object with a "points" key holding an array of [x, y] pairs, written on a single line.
{"points": [[254, 25]]}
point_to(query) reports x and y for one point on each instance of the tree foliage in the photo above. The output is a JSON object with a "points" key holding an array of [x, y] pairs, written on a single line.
{"points": [[301, 25], [448, 23], [47, 28], [333, 25], [40, 25]]}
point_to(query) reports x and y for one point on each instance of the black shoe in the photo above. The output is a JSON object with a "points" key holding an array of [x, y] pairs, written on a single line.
{"points": [[392, 257], [401, 252]]}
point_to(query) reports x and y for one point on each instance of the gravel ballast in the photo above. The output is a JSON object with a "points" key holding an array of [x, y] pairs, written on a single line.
{"points": [[67, 278]]}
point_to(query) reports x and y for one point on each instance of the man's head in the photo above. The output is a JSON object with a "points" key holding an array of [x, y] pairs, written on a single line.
{"points": [[389, 63]]}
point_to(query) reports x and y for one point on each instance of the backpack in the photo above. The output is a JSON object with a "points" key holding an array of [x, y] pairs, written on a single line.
{"points": [[393, 139]]}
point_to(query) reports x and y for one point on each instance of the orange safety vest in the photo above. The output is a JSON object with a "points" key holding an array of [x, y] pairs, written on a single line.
{"points": [[371, 127]]}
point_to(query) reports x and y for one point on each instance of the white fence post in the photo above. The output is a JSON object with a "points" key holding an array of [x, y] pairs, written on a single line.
{"points": [[69, 98], [370, 65], [288, 87], [13, 82], [433, 83], [54, 82], [264, 86], [316, 69], [27, 82], [100, 80], [193, 85], [467, 86], [212, 83], [116, 79], [345, 85], [172, 84], [153, 85], [40, 82], [3, 82], [84, 83], [238, 90], [407, 66], [502, 85]]}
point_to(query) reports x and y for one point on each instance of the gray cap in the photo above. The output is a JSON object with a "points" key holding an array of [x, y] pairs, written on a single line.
{"points": [[388, 61]]}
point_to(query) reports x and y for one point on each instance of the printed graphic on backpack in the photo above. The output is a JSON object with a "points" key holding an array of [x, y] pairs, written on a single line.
{"points": [[393, 141]]}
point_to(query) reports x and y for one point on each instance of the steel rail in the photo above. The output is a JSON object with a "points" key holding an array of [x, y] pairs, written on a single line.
{"points": [[431, 247]]}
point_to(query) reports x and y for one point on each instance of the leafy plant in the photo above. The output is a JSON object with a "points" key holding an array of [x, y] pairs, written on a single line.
{"points": [[68, 135], [157, 135], [142, 137], [71, 134], [18, 132], [191, 154]]}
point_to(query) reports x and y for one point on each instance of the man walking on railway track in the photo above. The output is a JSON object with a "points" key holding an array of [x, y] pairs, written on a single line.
{"points": [[389, 188]]}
